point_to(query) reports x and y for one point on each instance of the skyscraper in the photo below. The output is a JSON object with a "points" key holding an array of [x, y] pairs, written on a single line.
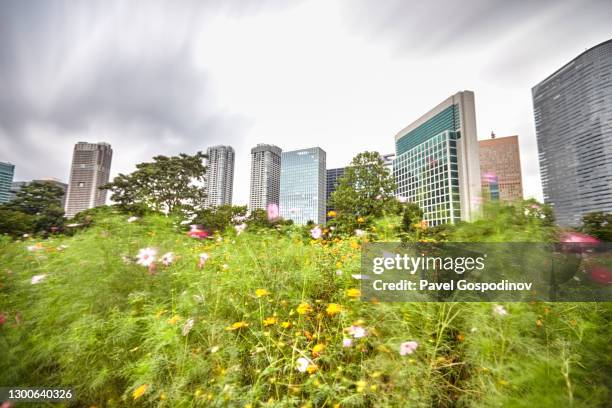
{"points": [[302, 188], [332, 179], [219, 175], [265, 176], [437, 165], [7, 171], [500, 168], [573, 119], [90, 169]]}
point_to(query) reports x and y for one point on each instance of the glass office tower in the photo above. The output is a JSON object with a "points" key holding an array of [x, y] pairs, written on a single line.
{"points": [[437, 164], [303, 185], [573, 119]]}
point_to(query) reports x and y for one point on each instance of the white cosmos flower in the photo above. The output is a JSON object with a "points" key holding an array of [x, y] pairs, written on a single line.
{"points": [[359, 232], [214, 349], [500, 310], [302, 364], [240, 228], [37, 279], [146, 256], [132, 219], [167, 258]]}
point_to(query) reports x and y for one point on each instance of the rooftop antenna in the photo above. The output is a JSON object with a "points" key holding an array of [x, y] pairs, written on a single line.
{"points": [[492, 135]]}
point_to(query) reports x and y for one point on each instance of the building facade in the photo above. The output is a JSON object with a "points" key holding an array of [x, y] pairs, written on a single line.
{"points": [[90, 169], [573, 119], [219, 175], [265, 176], [437, 164], [303, 185], [388, 161], [500, 168], [332, 177], [7, 172]]}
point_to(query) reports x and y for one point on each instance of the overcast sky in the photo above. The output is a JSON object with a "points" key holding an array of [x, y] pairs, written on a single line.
{"points": [[177, 76]]}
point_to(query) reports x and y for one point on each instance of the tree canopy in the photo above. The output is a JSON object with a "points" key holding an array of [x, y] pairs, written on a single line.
{"points": [[168, 184], [41, 204], [364, 192]]}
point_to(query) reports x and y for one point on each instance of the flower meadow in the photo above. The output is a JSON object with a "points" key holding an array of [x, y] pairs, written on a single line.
{"points": [[136, 312]]}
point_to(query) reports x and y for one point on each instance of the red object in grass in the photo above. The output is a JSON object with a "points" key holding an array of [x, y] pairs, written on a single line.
{"points": [[2, 319], [577, 238], [600, 274], [197, 232]]}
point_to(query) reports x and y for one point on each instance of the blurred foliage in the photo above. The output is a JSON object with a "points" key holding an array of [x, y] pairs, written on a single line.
{"points": [[598, 224]]}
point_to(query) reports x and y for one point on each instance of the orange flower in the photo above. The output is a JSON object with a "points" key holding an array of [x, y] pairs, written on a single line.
{"points": [[174, 319]]}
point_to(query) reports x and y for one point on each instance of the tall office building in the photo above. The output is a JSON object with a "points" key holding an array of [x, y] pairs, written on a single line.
{"points": [[219, 175], [265, 176], [573, 119], [500, 168], [437, 165], [7, 171], [90, 169], [332, 177], [388, 161], [303, 185]]}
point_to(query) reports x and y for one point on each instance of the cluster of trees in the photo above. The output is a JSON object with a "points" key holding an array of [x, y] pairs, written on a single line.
{"points": [[598, 224], [37, 208]]}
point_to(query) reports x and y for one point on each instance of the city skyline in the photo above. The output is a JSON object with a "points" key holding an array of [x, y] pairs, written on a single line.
{"points": [[365, 73]]}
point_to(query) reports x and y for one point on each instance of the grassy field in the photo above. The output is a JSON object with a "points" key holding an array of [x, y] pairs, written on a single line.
{"points": [[272, 318]]}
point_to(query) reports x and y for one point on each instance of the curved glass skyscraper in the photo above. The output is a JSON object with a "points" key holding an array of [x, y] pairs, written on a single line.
{"points": [[573, 118]]}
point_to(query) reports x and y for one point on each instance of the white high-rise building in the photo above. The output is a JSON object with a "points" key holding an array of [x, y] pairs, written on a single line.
{"points": [[90, 169], [265, 176], [219, 175]]}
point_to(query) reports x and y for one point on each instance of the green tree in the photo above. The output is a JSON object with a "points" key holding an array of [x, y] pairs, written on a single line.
{"points": [[598, 224], [43, 201], [15, 223], [219, 218], [259, 218], [168, 184], [364, 192]]}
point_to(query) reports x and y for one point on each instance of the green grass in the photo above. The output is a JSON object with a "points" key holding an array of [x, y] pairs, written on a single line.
{"points": [[105, 327]]}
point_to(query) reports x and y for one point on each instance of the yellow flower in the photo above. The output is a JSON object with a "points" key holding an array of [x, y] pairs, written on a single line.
{"points": [[332, 213], [261, 293], [158, 314], [139, 392], [355, 245], [269, 321], [361, 385], [311, 369], [318, 349], [304, 308], [353, 292], [286, 325], [361, 220], [174, 319], [198, 392], [237, 325], [333, 309], [162, 396]]}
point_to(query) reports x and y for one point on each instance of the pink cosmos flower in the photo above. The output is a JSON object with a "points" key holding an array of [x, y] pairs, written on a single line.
{"points": [[146, 256], [357, 332], [273, 212], [347, 342], [316, 232], [203, 258], [167, 258], [408, 347]]}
